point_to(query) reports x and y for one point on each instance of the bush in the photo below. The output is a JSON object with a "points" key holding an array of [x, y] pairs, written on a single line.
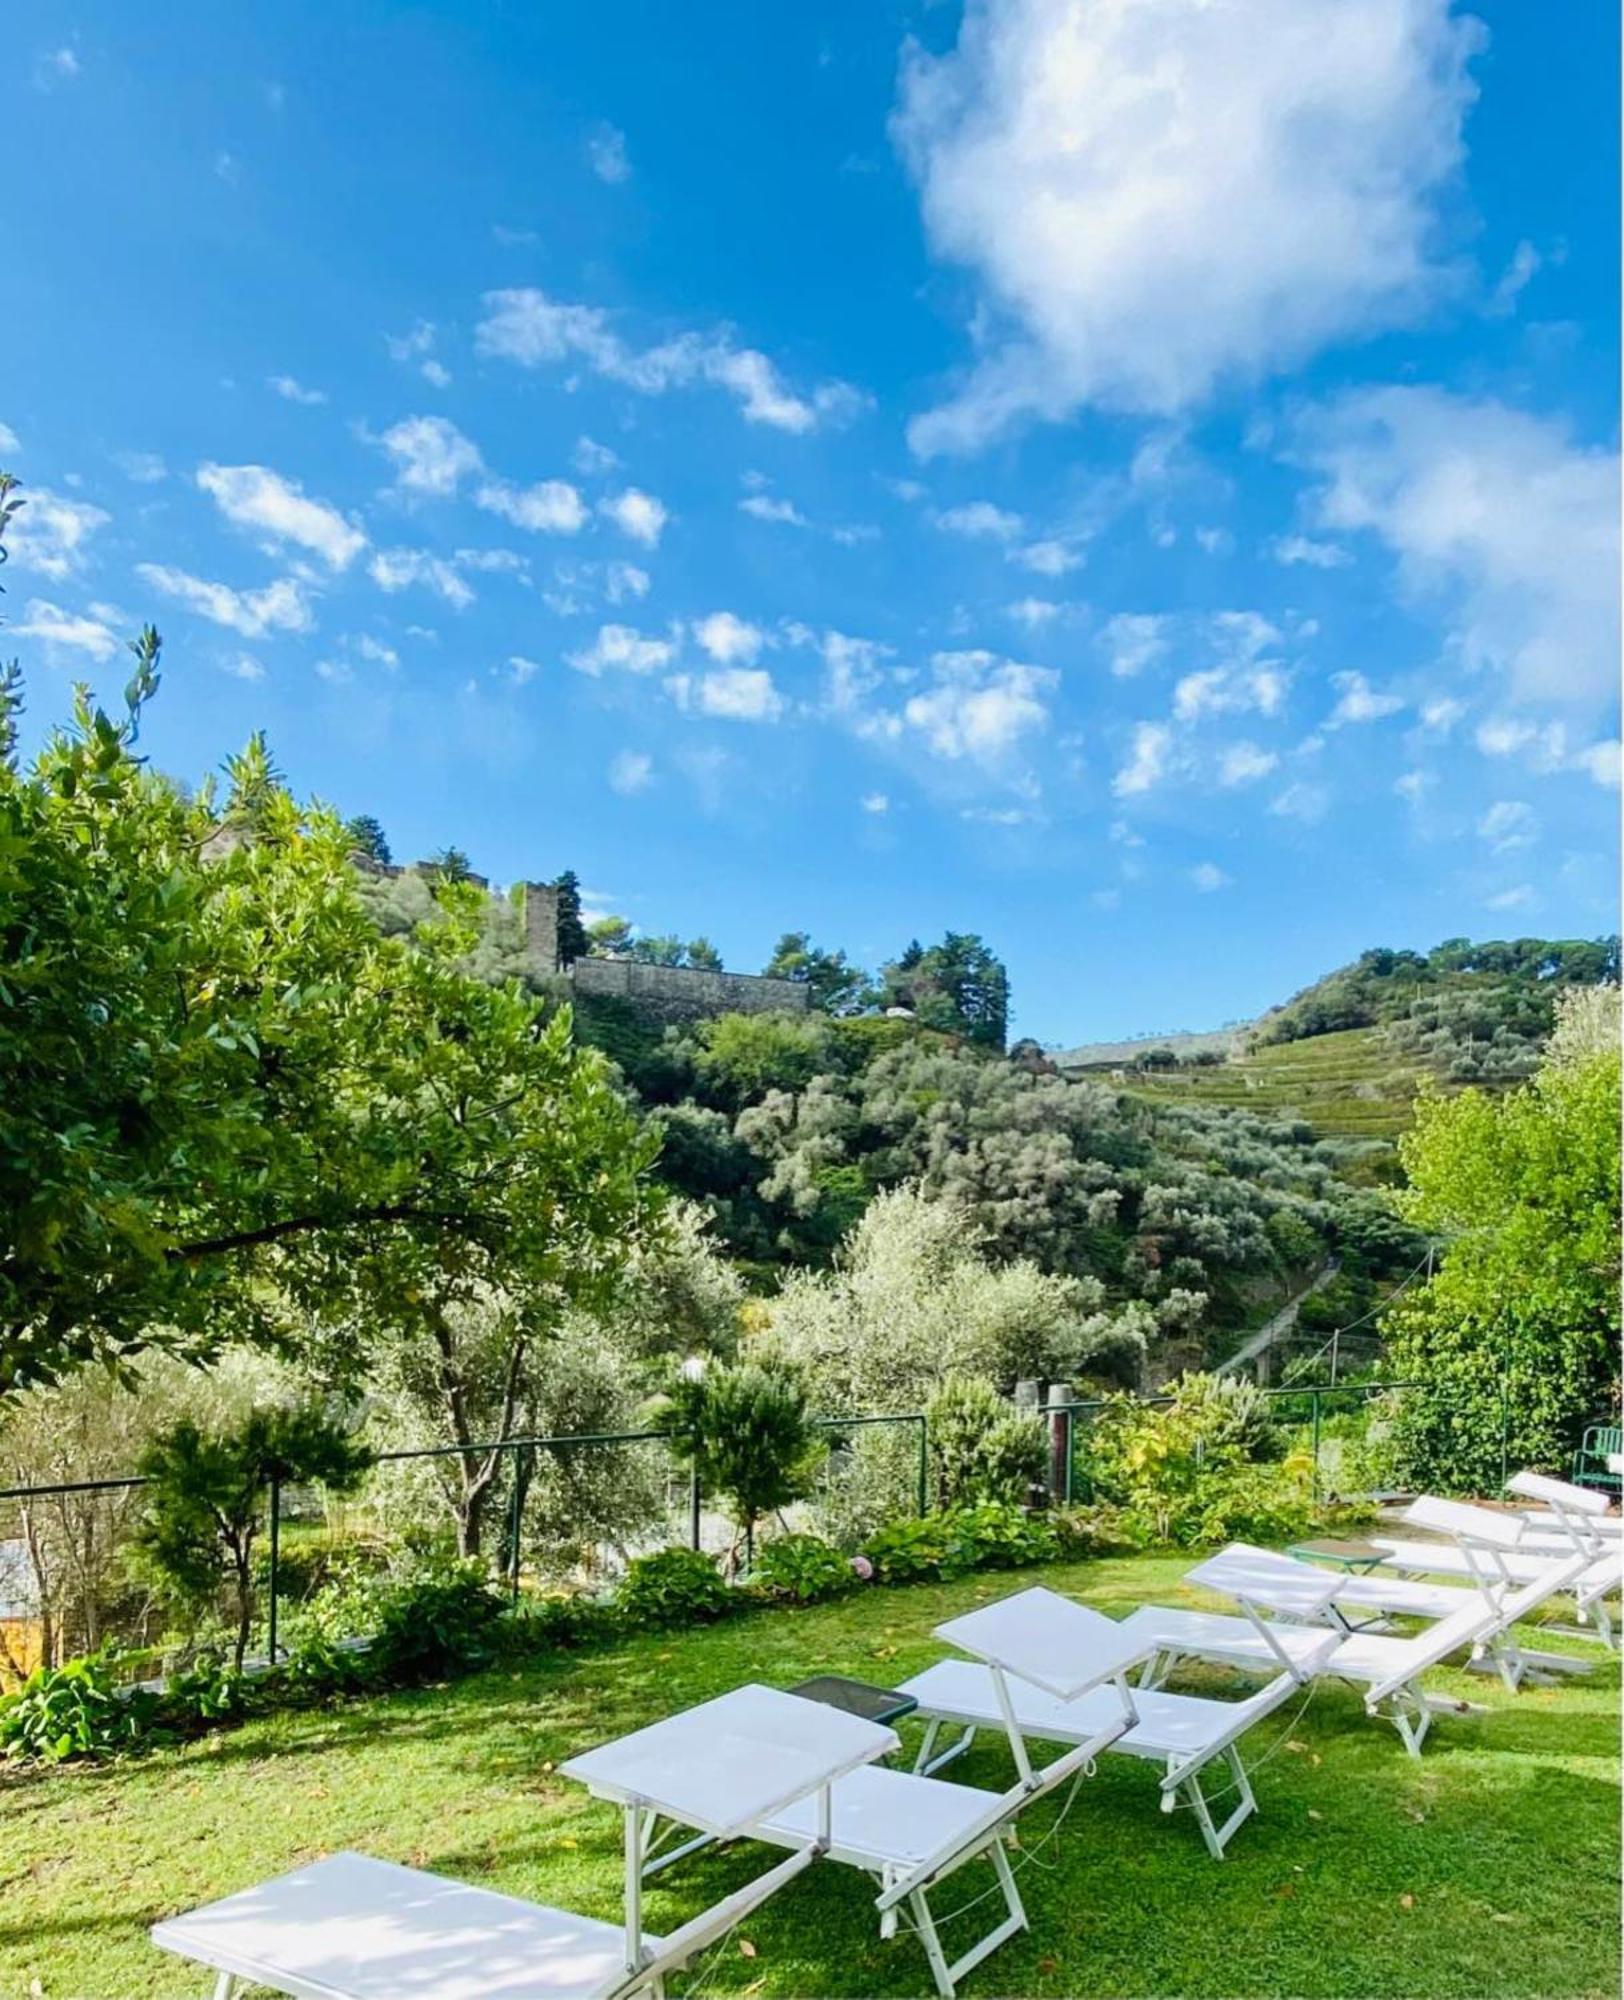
{"points": [[802, 1569], [559, 1620], [1101, 1530], [982, 1449], [436, 1615], [909, 1551], [673, 1587], [985, 1535], [74, 1710]]}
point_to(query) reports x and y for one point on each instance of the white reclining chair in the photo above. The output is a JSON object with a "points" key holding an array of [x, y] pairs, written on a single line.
{"points": [[1019, 1688], [1492, 1551], [353, 1928], [1356, 1602]]}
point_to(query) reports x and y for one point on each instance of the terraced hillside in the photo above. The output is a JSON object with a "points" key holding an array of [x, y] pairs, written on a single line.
{"points": [[1354, 1084]]}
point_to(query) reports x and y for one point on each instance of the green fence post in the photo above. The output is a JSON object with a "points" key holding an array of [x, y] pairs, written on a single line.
{"points": [[1315, 1397], [1068, 1482], [693, 1510], [1505, 1434], [515, 1520], [924, 1464], [276, 1547]]}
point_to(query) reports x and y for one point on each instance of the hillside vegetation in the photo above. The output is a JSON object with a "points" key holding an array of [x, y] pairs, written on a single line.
{"points": [[1353, 1084]]}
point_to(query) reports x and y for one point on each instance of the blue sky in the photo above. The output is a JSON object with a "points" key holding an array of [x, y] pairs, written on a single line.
{"points": [[1137, 480]]}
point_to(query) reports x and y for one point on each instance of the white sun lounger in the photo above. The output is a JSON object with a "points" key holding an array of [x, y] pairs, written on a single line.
{"points": [[1238, 1569], [353, 1928], [1388, 1668], [1567, 1515], [1020, 1687]]}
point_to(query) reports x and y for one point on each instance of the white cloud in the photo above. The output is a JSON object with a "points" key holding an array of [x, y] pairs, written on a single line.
{"points": [[980, 706], [521, 670], [276, 607], [377, 652], [1524, 266], [1229, 690], [1208, 876], [1134, 640], [227, 167], [980, 520], [431, 455], [1158, 195], [875, 803], [622, 580], [396, 569], [1304, 801], [50, 531], [1441, 714], [733, 694], [1243, 763], [763, 507], [1601, 762], [1509, 824], [729, 640], [1147, 762], [637, 514], [292, 391], [1047, 558], [1303, 549], [1034, 612], [1497, 515], [1547, 748], [416, 349], [9, 440], [1510, 899], [242, 667], [589, 457], [525, 326], [145, 468], [53, 67], [1413, 786], [630, 771], [621, 649], [253, 496], [550, 507], [1358, 701], [67, 630], [606, 154]]}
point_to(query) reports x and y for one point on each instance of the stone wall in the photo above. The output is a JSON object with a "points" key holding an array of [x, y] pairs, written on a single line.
{"points": [[680, 993]]}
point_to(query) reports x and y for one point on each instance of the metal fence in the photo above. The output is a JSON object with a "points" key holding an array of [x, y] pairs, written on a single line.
{"points": [[538, 1516]]}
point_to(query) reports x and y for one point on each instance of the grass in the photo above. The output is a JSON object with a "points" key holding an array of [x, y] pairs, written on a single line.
{"points": [[1351, 1085], [1488, 1868]]}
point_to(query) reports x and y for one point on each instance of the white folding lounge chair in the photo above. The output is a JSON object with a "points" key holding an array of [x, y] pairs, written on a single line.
{"points": [[1489, 1549], [1579, 1517], [1356, 1602], [1017, 1696], [353, 1928]]}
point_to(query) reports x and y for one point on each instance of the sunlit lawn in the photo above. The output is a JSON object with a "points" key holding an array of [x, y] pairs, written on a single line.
{"points": [[1490, 1868]]}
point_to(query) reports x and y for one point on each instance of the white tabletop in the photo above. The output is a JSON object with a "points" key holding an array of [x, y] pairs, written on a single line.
{"points": [[1049, 1640], [732, 1761], [352, 1928], [1263, 1577]]}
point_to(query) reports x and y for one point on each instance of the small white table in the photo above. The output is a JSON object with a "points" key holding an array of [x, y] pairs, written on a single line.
{"points": [[722, 1768], [1056, 1644]]}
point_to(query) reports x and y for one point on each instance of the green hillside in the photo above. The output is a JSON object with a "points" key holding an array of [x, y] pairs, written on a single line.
{"points": [[1353, 1084]]}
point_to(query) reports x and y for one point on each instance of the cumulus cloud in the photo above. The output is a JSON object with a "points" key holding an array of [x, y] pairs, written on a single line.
{"points": [[1051, 557], [630, 771], [980, 706], [398, 569], [68, 631], [1303, 549], [256, 498], [729, 640], [622, 649], [550, 507], [1134, 640], [293, 391], [1208, 876], [524, 325], [636, 514], [876, 803], [49, 532], [416, 349], [1158, 195], [764, 507], [1358, 701], [732, 694], [591, 458], [1244, 763], [1034, 612], [1509, 824], [275, 607], [606, 155], [1496, 516], [431, 455], [980, 520], [1148, 760]]}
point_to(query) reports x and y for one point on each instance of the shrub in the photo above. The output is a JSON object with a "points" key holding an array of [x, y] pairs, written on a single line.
{"points": [[994, 1535], [747, 1431], [982, 1449], [74, 1710], [802, 1569], [673, 1587], [1101, 1530], [433, 1616], [909, 1550], [210, 1689], [558, 1620]]}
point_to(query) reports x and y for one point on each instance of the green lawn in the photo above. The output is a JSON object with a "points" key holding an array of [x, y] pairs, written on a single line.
{"points": [[1489, 1868]]}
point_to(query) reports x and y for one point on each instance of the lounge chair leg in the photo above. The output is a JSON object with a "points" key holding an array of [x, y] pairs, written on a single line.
{"points": [[925, 1764], [225, 1986], [932, 1943], [1203, 1815]]}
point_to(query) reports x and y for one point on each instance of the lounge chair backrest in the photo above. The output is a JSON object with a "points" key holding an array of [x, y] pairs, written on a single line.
{"points": [[973, 1837], [1461, 1521], [1264, 1577], [1480, 1619], [1560, 1493]]}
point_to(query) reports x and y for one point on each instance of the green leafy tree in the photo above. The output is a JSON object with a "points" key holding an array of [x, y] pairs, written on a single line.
{"points": [[957, 985], [449, 864], [368, 837], [702, 955], [573, 942], [610, 937], [837, 986], [1525, 1190], [228, 1106], [746, 1429], [205, 1499]]}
